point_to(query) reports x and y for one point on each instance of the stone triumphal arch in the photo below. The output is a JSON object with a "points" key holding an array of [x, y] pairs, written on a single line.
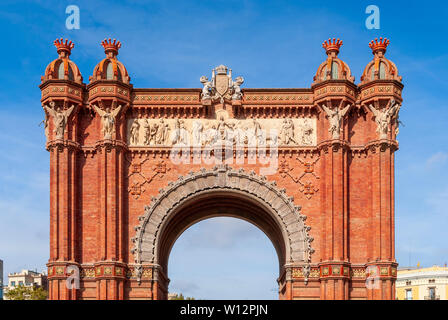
{"points": [[131, 169]]}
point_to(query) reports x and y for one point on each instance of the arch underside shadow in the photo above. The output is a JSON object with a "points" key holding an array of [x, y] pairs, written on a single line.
{"points": [[222, 191]]}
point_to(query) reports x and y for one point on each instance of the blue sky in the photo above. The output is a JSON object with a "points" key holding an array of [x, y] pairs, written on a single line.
{"points": [[270, 43]]}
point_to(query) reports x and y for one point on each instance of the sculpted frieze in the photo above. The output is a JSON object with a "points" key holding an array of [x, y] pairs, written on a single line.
{"points": [[144, 132]]}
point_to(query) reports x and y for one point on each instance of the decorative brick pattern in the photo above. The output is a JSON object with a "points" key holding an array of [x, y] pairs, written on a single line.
{"points": [[111, 204]]}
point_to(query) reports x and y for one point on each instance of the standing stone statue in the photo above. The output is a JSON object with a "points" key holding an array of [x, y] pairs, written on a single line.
{"points": [[237, 94], [198, 128], [180, 133], [224, 128], [162, 132], [335, 117], [287, 132], [153, 134], [46, 125], [108, 120], [240, 134], [176, 139], [207, 89], [60, 118], [384, 118], [134, 131], [147, 132], [397, 121], [307, 133], [185, 135], [257, 137], [210, 135]]}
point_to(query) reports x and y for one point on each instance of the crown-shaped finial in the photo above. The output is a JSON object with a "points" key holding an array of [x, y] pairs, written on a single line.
{"points": [[332, 45], [221, 69], [379, 45], [111, 47], [64, 47]]}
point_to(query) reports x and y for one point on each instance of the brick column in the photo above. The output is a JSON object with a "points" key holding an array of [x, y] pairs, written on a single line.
{"points": [[110, 181], [63, 205], [334, 285], [63, 213], [110, 203], [383, 260]]}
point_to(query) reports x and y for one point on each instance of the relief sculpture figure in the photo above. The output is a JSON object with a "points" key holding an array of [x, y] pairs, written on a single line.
{"points": [[162, 132], [335, 117], [147, 132], [384, 118], [307, 133], [108, 120], [60, 118], [134, 131], [287, 132]]}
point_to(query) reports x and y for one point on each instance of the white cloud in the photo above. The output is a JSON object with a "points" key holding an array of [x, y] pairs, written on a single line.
{"points": [[436, 159], [221, 232]]}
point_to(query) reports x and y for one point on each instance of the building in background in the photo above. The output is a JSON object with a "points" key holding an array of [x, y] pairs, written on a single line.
{"points": [[172, 296], [1, 279], [422, 283], [26, 278]]}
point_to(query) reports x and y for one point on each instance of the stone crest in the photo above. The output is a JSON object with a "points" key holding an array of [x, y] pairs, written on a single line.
{"points": [[221, 86]]}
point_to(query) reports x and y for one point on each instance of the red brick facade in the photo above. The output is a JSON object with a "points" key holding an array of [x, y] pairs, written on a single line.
{"points": [[100, 185]]}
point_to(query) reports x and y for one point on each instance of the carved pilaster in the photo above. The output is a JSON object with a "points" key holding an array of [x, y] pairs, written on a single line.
{"points": [[334, 208], [63, 216], [111, 158]]}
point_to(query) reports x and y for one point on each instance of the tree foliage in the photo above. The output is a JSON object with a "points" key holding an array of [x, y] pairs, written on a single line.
{"points": [[27, 293], [181, 297]]}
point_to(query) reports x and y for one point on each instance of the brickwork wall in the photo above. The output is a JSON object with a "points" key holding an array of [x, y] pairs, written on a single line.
{"points": [[95, 206]]}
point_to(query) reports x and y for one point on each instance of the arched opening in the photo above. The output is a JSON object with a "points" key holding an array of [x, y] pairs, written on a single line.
{"points": [[212, 204], [61, 71], [220, 192], [220, 204], [223, 258], [109, 71], [334, 71], [382, 71], [324, 74]]}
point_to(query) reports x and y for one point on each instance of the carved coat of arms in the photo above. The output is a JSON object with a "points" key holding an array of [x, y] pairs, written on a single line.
{"points": [[221, 86]]}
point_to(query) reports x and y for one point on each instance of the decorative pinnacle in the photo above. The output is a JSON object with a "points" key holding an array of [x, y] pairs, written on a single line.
{"points": [[111, 47], [332, 46], [64, 47], [221, 69], [377, 46]]}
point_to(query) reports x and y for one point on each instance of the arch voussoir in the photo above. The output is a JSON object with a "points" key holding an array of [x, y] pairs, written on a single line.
{"points": [[281, 208]]}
